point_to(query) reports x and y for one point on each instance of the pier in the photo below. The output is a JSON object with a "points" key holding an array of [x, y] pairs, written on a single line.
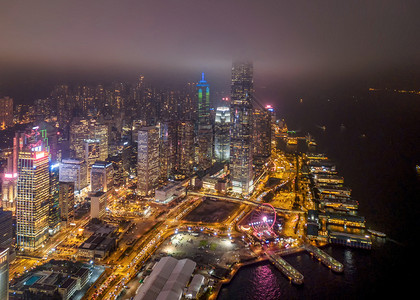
{"points": [[290, 272], [326, 259]]}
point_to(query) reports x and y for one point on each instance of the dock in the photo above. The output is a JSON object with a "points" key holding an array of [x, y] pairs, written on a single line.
{"points": [[326, 259], [290, 272]]}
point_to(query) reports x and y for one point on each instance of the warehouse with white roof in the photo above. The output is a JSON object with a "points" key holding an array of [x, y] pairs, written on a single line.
{"points": [[167, 280]]}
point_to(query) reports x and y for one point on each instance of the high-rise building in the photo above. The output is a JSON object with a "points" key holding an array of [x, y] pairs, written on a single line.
{"points": [[204, 131], [101, 176], [6, 229], [4, 273], [148, 160], [167, 145], [33, 195], [66, 201], [222, 134], [185, 148], [9, 184], [98, 205], [262, 136], [74, 170], [241, 128], [82, 130], [54, 209], [6, 112], [92, 154], [100, 132], [79, 132]]}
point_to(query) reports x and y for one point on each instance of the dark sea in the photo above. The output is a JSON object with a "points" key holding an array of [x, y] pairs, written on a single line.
{"points": [[374, 138]]}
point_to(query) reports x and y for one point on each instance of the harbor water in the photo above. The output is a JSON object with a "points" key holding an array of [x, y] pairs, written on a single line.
{"points": [[374, 138]]}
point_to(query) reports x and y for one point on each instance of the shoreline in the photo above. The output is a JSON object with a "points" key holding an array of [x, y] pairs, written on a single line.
{"points": [[236, 268]]}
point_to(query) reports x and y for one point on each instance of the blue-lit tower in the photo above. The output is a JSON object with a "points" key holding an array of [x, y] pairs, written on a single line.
{"points": [[204, 130]]}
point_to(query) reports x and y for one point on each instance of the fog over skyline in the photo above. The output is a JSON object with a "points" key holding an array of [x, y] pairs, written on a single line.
{"points": [[287, 40]]}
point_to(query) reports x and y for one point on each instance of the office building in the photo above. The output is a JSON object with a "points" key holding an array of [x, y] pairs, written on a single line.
{"points": [[222, 134], [98, 205], [148, 160], [79, 132], [54, 209], [6, 112], [33, 196], [101, 175], [185, 149], [74, 170], [66, 202], [261, 135], [204, 131], [241, 128], [4, 273], [167, 145], [92, 154], [6, 229]]}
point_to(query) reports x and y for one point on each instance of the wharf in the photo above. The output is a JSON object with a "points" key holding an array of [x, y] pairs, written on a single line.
{"points": [[286, 268], [324, 258]]}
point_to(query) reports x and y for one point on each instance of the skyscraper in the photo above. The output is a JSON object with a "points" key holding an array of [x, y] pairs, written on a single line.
{"points": [[74, 170], [262, 135], [185, 148], [101, 176], [54, 209], [6, 229], [204, 131], [6, 112], [33, 193], [66, 200], [241, 128], [222, 134], [167, 153], [148, 160], [4, 273]]}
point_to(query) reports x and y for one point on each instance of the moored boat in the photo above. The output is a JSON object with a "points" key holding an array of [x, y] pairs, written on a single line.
{"points": [[376, 233]]}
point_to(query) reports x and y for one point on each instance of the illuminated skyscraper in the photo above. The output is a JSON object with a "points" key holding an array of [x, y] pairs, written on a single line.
{"points": [[6, 112], [74, 170], [185, 148], [54, 209], [204, 132], [222, 134], [92, 154], [241, 128], [66, 200], [148, 160], [4, 273], [167, 153], [262, 136], [101, 176], [79, 132], [33, 193]]}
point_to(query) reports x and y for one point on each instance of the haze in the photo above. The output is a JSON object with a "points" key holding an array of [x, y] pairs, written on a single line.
{"points": [[287, 40]]}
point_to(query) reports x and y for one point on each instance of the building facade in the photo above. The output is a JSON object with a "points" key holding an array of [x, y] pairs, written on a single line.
{"points": [[241, 128], [6, 112], [222, 134], [148, 169], [33, 199], [204, 130]]}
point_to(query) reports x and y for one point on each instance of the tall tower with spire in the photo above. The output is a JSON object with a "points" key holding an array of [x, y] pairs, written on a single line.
{"points": [[204, 130], [242, 88]]}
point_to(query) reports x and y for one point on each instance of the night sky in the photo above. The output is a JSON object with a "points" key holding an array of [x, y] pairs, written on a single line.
{"points": [[288, 41]]}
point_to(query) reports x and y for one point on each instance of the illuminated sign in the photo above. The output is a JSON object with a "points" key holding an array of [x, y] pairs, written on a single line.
{"points": [[10, 175], [39, 155]]}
